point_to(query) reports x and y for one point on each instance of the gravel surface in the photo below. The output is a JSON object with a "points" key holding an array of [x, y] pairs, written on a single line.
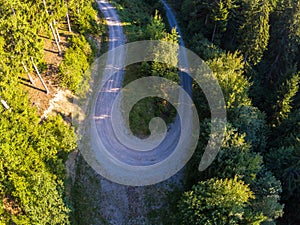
{"points": [[119, 204]]}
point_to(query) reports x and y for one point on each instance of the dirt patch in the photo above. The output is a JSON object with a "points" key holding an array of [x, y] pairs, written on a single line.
{"points": [[36, 92], [11, 206], [100, 201], [61, 103]]}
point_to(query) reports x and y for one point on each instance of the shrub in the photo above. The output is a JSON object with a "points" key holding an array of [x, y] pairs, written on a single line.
{"points": [[75, 64]]}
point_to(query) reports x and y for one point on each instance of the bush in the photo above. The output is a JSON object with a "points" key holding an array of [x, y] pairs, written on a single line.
{"points": [[75, 64], [86, 21]]}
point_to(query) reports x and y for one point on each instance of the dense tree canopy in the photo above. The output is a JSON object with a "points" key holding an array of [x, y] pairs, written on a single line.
{"points": [[252, 48], [33, 151], [215, 201]]}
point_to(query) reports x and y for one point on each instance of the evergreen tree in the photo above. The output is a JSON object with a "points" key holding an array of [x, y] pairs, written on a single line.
{"points": [[254, 32], [216, 201], [285, 99]]}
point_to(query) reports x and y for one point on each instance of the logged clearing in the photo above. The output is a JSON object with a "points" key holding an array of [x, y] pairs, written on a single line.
{"points": [[37, 93]]}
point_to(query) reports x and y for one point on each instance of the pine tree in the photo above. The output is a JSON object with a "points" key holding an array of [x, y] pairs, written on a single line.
{"points": [[254, 32], [216, 201], [285, 97]]}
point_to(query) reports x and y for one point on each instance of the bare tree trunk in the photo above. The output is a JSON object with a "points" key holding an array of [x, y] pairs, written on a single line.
{"points": [[69, 24], [5, 104], [13, 10], [55, 38], [272, 67], [28, 74], [206, 20], [245, 58], [45, 6], [38, 73], [213, 35], [53, 31], [56, 30]]}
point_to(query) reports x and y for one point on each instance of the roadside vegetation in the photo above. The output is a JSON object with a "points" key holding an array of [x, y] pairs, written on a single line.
{"points": [[33, 150], [148, 25], [252, 48]]}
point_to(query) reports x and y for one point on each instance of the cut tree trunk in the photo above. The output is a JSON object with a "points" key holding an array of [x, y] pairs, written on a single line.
{"points": [[28, 74], [38, 73]]}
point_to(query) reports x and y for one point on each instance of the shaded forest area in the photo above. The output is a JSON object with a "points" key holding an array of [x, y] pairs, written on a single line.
{"points": [[253, 48]]}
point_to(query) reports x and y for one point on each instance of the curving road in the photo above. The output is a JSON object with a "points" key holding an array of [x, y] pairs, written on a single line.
{"points": [[186, 80], [132, 163], [108, 94]]}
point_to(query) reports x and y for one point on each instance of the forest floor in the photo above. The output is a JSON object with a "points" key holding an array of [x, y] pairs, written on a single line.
{"points": [[58, 100]]}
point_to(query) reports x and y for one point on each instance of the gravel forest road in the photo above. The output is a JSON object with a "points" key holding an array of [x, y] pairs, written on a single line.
{"points": [[107, 95], [115, 203]]}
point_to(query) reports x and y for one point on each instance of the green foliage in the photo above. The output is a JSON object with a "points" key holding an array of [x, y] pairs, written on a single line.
{"points": [[229, 71], [84, 17], [282, 159], [75, 63], [228, 68], [251, 121], [208, 17], [254, 32], [156, 29], [135, 15], [267, 191], [148, 108], [32, 152], [267, 34], [16, 20], [284, 162], [217, 202], [282, 57], [280, 63], [54, 141], [32, 162], [242, 25], [235, 157], [287, 133], [204, 48], [288, 91]]}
